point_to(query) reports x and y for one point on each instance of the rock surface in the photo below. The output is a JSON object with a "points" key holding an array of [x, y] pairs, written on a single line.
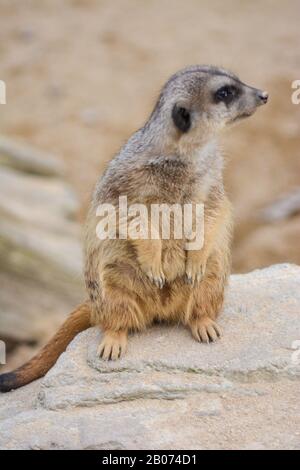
{"points": [[285, 207], [171, 392], [28, 159], [40, 248]]}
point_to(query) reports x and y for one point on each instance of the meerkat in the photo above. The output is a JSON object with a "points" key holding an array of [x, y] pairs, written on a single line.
{"points": [[173, 159]]}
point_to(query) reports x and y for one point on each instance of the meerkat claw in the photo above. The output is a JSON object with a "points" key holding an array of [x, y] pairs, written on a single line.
{"points": [[159, 281], [193, 280], [205, 330], [193, 277], [113, 346], [189, 279]]}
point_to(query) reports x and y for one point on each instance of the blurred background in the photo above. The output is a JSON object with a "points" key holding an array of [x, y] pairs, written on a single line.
{"points": [[81, 76]]}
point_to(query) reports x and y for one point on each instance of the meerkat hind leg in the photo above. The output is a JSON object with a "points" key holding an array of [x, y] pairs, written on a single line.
{"points": [[207, 302], [113, 346]]}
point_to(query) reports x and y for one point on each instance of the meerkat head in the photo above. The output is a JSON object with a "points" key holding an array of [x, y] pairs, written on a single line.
{"points": [[197, 102]]}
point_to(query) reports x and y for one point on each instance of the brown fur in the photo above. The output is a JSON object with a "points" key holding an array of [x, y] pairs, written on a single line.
{"points": [[127, 299]]}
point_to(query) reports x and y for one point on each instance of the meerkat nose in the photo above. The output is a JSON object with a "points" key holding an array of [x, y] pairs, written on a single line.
{"points": [[263, 96]]}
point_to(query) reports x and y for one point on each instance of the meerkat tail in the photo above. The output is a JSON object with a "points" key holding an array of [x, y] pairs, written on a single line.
{"points": [[77, 321]]}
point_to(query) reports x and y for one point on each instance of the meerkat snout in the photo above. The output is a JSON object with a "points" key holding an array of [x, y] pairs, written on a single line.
{"points": [[263, 96]]}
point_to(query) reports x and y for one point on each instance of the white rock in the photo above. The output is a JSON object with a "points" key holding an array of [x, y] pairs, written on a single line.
{"points": [[23, 157], [242, 392], [40, 246], [286, 206]]}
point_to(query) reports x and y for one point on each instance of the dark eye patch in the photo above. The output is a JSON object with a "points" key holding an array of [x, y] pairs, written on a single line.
{"points": [[181, 118], [226, 94]]}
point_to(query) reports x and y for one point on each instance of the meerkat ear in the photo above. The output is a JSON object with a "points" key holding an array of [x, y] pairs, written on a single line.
{"points": [[181, 117]]}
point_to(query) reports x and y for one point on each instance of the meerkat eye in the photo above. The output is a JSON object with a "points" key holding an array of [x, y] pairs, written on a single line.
{"points": [[181, 117], [226, 94]]}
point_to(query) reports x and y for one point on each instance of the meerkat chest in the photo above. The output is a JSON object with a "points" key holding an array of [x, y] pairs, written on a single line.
{"points": [[167, 180]]}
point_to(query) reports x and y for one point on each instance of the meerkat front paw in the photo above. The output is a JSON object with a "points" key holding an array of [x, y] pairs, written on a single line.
{"points": [[194, 271], [155, 274], [205, 330], [158, 278], [113, 345]]}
